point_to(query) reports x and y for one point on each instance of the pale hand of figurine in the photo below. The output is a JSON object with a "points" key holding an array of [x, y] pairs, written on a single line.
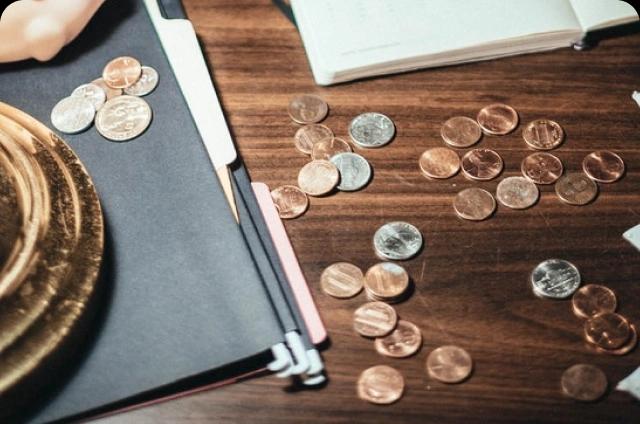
{"points": [[41, 28]]}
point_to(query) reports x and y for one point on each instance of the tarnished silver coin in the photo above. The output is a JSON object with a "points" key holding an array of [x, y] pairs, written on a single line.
{"points": [[555, 279], [72, 115], [123, 118], [92, 92], [146, 84], [371, 130], [355, 171], [517, 193], [397, 241]]}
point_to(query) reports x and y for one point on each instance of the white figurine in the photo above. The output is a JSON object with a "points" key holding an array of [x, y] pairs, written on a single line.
{"points": [[41, 28]]}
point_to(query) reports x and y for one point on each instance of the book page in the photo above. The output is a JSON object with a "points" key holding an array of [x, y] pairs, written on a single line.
{"points": [[352, 33], [598, 14]]}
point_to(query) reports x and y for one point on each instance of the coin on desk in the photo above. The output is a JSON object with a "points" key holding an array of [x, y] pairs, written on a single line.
{"points": [[498, 119], [555, 279], [73, 114], [603, 166], [460, 132], [386, 282], [122, 72], [576, 189], [109, 91], [543, 134], [607, 330], [371, 129], [92, 92], [449, 364], [584, 382], [308, 109], [123, 118], [474, 204], [318, 177], [482, 164], [381, 385], [439, 163], [355, 171], [624, 349], [517, 193], [375, 319], [147, 82], [542, 168], [290, 201], [397, 241], [326, 149], [402, 342], [593, 299], [306, 137], [342, 280]]}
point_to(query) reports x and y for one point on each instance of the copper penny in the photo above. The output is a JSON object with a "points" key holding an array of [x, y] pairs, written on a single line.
{"points": [[603, 166], [326, 149], [584, 382], [386, 281], [439, 162], [631, 344], [449, 364], [109, 91], [402, 342], [342, 280], [607, 330], [318, 177], [374, 319], [482, 164], [543, 134], [517, 193], [593, 299], [308, 109], [309, 135], [461, 131], [576, 189], [474, 204], [290, 201], [381, 385], [542, 168], [122, 72], [497, 119]]}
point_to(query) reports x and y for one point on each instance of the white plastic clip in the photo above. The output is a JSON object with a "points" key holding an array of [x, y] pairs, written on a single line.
{"points": [[282, 358], [636, 96]]}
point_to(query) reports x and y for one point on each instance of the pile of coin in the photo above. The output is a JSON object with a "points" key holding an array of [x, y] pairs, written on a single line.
{"points": [[113, 102], [333, 164], [538, 168]]}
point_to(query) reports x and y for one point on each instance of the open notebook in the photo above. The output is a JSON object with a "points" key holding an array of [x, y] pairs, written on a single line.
{"points": [[350, 39]]}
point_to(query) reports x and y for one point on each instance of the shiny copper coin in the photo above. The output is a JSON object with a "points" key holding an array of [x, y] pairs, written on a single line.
{"points": [[309, 135], [497, 119], [542, 168], [326, 149], [628, 347], [342, 280], [543, 134], [439, 162], [386, 281], [109, 91], [607, 330], [122, 72], [584, 382], [474, 204], [517, 193], [449, 364], [482, 164], [374, 319], [593, 299], [461, 131], [308, 109], [576, 189], [402, 342], [290, 201], [603, 166], [318, 177], [381, 385]]}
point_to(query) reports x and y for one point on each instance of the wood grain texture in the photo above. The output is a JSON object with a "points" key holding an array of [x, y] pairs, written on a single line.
{"points": [[471, 280]]}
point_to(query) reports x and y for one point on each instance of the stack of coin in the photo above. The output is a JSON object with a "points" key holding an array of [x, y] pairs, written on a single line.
{"points": [[113, 102], [387, 282]]}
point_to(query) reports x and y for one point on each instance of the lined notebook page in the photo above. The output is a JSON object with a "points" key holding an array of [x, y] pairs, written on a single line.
{"points": [[598, 14]]}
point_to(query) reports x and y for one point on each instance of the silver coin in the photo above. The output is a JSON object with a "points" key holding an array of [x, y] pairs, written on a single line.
{"points": [[72, 115], [517, 193], [555, 279], [371, 129], [355, 171], [397, 241], [123, 118], [146, 84], [92, 92]]}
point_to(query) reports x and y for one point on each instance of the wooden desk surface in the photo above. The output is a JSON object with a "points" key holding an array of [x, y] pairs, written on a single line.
{"points": [[471, 280]]}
